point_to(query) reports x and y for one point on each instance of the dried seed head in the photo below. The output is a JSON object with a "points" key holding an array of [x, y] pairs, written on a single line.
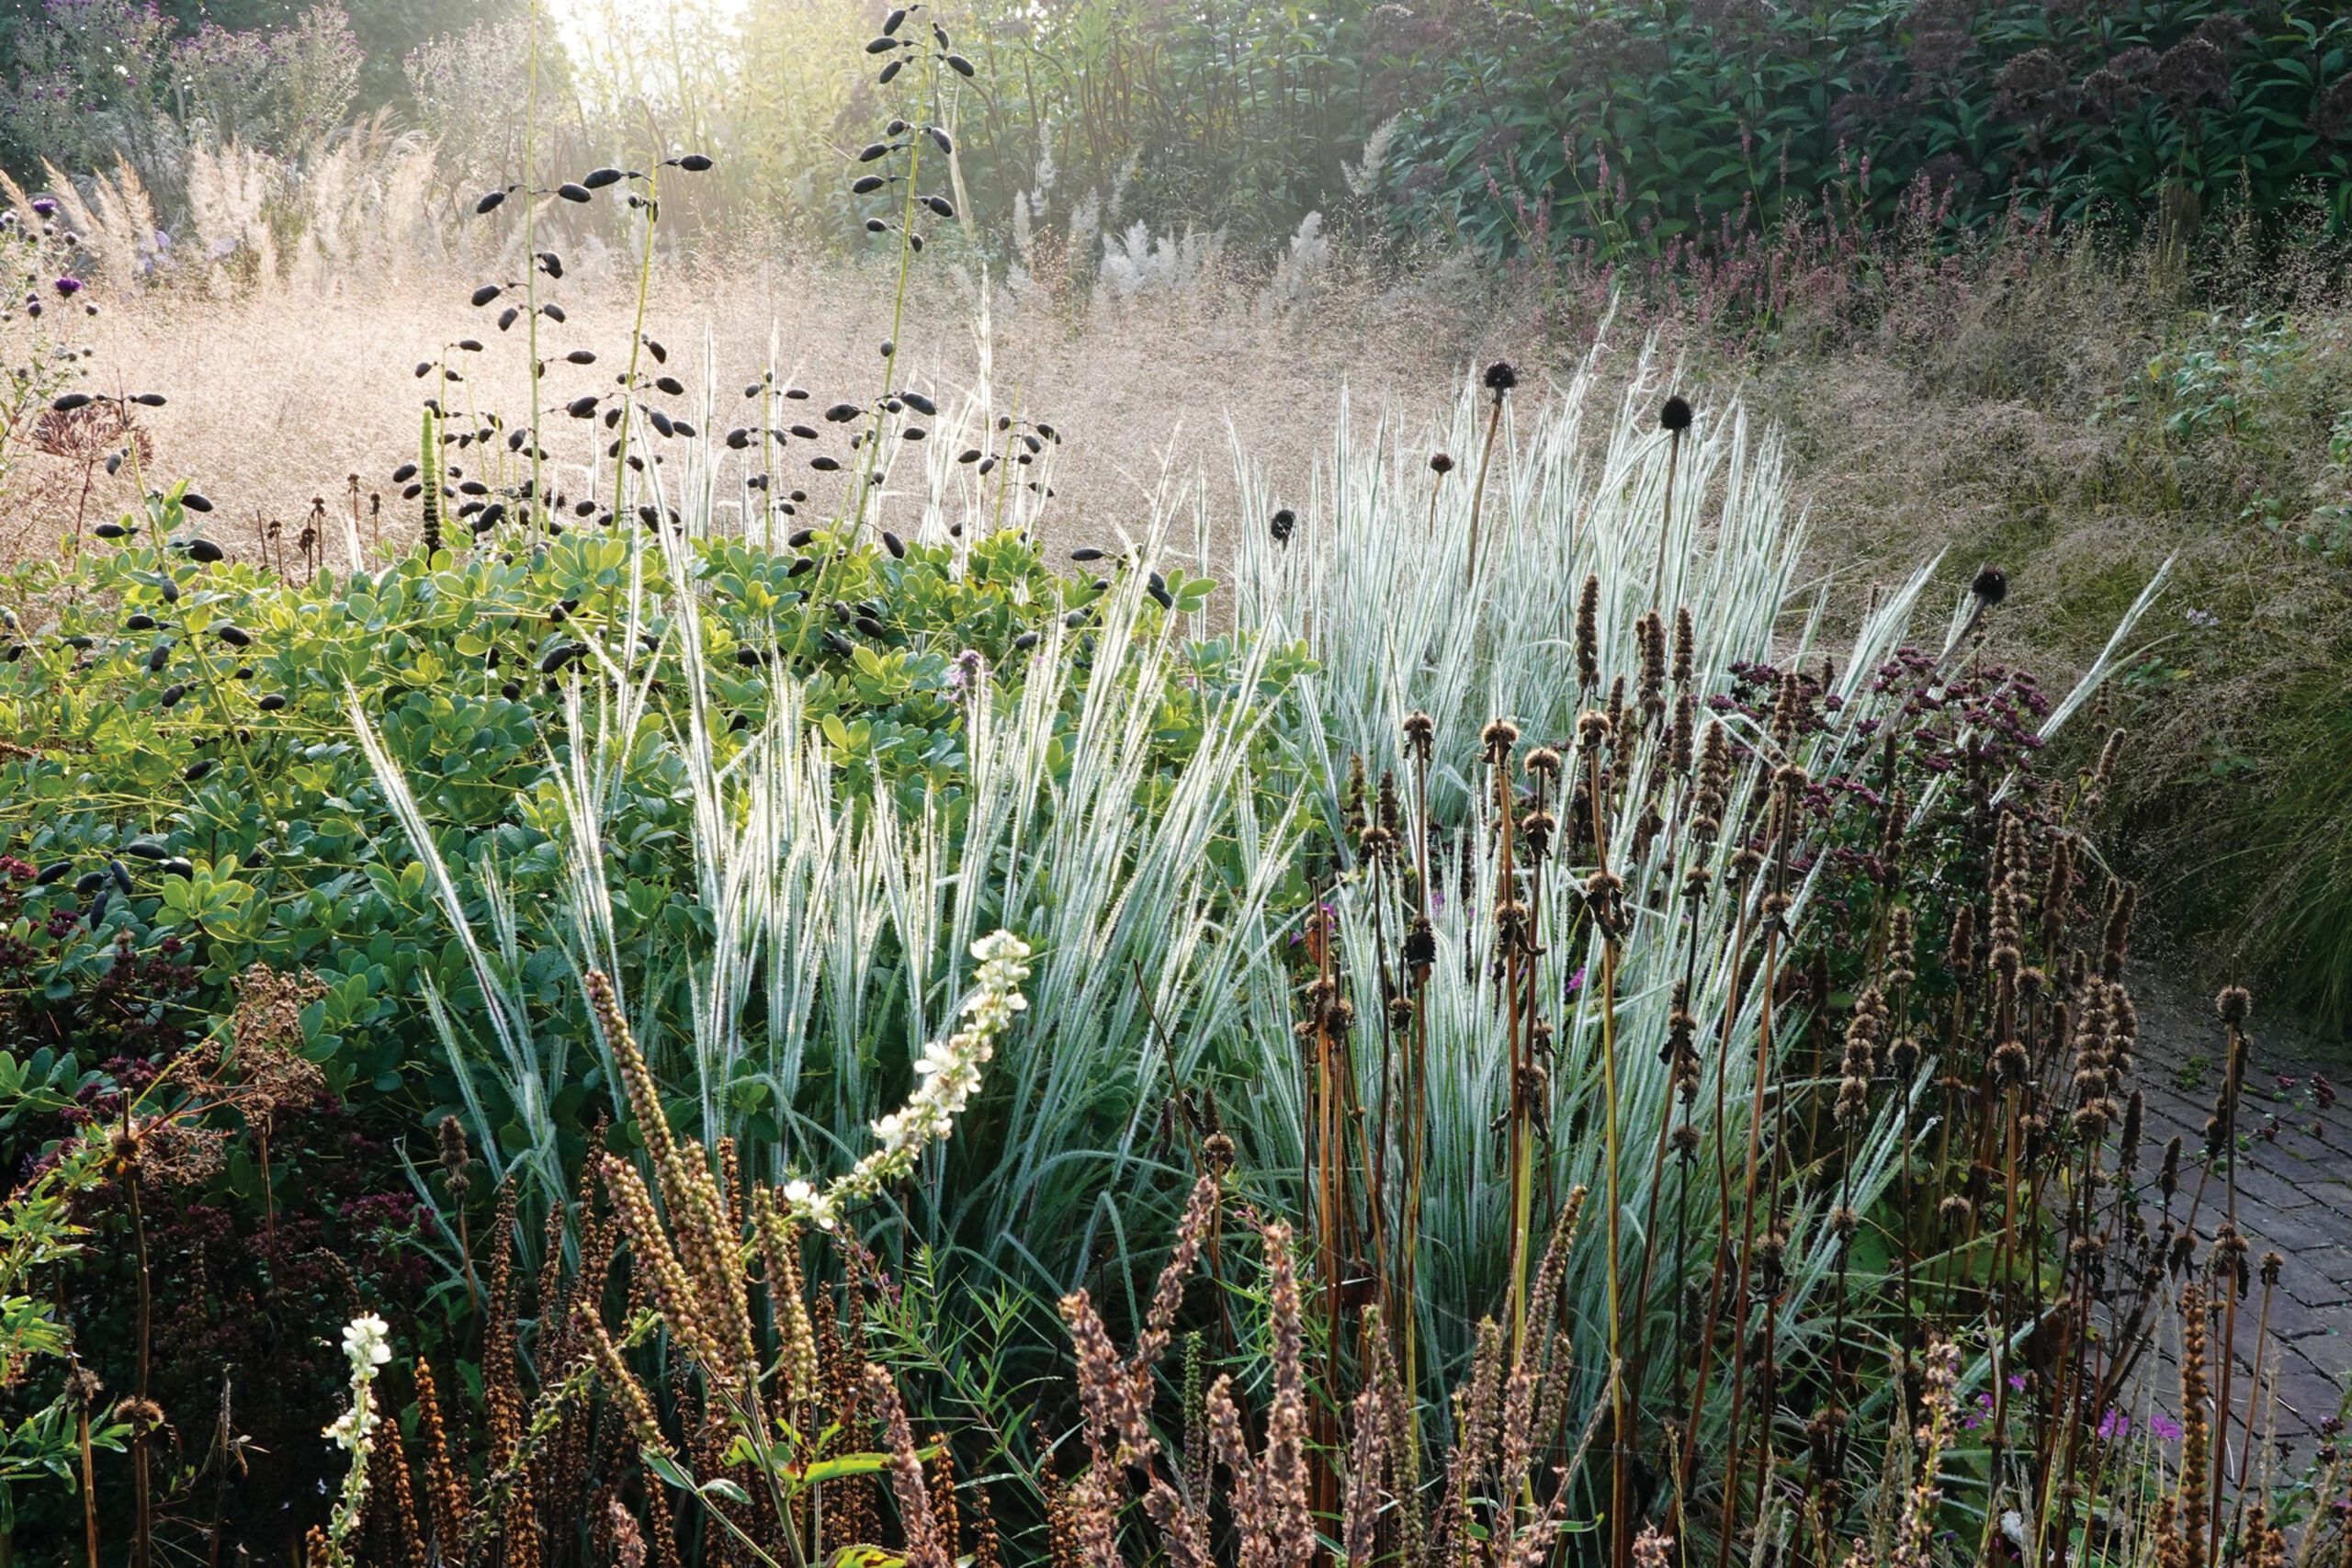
{"points": [[1991, 586], [1675, 416], [1501, 378], [2235, 1005], [1587, 641], [1441, 465]]}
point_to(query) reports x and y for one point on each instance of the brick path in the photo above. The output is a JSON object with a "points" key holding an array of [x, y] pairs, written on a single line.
{"points": [[2294, 1190]]}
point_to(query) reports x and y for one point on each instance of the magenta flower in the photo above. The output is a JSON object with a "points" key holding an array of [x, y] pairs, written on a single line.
{"points": [[69, 287], [2113, 1425], [2164, 1427], [45, 206]]}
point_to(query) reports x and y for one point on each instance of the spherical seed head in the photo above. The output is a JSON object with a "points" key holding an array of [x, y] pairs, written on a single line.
{"points": [[1501, 377], [1543, 763], [1953, 1211], [1500, 734], [1217, 1153], [1282, 524], [1675, 416], [2235, 1004], [1441, 465], [1992, 585]]}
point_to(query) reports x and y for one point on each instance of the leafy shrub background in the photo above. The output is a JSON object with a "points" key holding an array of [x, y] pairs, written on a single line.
{"points": [[1660, 124]]}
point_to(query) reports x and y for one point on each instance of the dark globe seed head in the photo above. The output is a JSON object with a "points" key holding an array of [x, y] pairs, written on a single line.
{"points": [[1992, 585], [1501, 377], [1675, 416]]}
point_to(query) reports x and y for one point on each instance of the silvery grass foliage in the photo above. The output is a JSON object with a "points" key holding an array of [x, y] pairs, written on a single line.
{"points": [[839, 935], [1377, 582]]}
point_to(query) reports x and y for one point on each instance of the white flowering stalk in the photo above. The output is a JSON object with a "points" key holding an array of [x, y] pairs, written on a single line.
{"points": [[367, 1345], [945, 1076]]}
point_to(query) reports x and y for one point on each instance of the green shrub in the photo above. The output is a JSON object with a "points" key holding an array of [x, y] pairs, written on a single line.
{"points": [[1643, 125]]}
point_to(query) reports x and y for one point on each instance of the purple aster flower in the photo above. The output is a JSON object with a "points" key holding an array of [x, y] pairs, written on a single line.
{"points": [[2113, 1425], [2164, 1427], [69, 287], [45, 206]]}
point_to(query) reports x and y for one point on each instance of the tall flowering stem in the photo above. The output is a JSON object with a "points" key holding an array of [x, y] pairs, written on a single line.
{"points": [[367, 1345], [947, 1074]]}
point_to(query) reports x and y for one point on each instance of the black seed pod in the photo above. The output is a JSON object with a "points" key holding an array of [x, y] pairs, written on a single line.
{"points": [[89, 881], [144, 848], [571, 192], [159, 657], [896, 546], [204, 550], [51, 872], [958, 64], [192, 501], [236, 636], [120, 875], [111, 531], [177, 866], [271, 702], [195, 770], [485, 294], [404, 473], [838, 644], [866, 185], [693, 162], [597, 179]]}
